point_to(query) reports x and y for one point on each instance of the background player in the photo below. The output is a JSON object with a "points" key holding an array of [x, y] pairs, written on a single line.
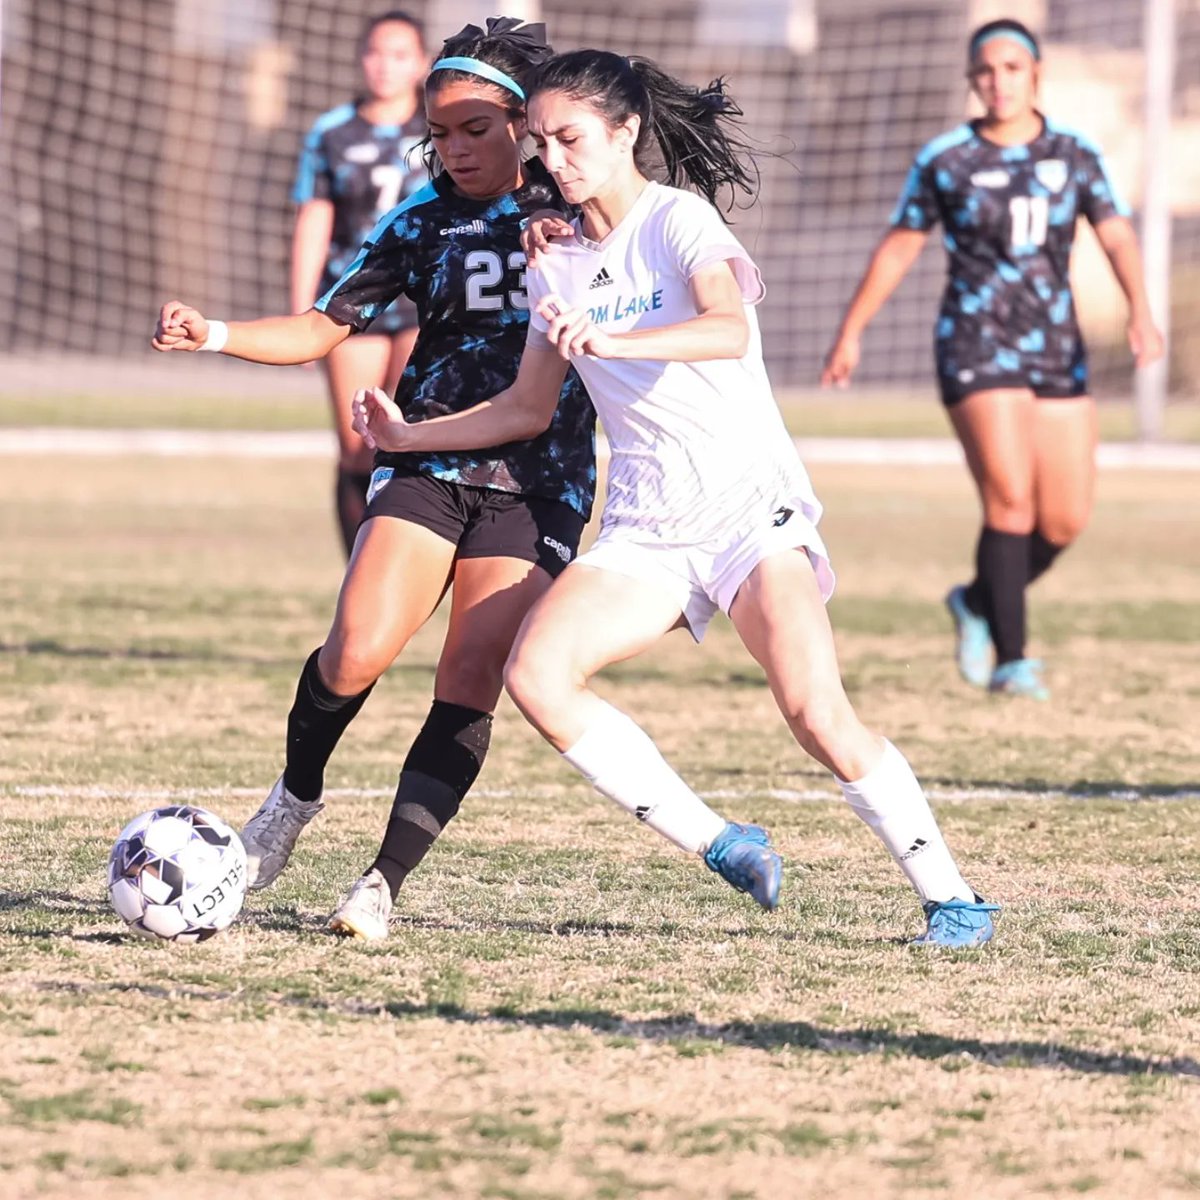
{"points": [[708, 507], [359, 161], [497, 525], [1010, 361]]}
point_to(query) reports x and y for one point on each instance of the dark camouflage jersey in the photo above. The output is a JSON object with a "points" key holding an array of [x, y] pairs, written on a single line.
{"points": [[365, 170], [460, 260], [1008, 215]]}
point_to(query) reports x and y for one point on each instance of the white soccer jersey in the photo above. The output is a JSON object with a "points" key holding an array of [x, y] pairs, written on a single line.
{"points": [[697, 448]]}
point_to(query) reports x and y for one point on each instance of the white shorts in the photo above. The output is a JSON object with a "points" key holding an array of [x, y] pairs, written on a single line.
{"points": [[706, 577]]}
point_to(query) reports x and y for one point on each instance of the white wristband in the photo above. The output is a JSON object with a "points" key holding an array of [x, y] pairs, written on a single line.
{"points": [[218, 335]]}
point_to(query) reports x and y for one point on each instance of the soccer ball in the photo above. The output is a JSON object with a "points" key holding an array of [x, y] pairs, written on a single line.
{"points": [[177, 873]]}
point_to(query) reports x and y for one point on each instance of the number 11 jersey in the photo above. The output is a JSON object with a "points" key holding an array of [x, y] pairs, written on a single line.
{"points": [[1008, 215]]}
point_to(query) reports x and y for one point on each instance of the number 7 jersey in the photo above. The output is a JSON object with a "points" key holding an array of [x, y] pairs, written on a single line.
{"points": [[460, 261], [1008, 215]]}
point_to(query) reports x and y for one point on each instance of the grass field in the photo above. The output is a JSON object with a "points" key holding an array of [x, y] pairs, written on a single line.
{"points": [[567, 1006]]}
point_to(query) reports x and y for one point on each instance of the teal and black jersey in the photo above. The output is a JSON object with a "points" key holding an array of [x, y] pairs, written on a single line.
{"points": [[1008, 214], [364, 170], [460, 261]]}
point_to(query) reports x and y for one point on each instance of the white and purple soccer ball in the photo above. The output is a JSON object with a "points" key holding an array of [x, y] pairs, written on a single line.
{"points": [[178, 874]]}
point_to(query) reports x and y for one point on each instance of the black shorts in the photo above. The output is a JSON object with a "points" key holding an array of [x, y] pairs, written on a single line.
{"points": [[480, 522], [1061, 380]]}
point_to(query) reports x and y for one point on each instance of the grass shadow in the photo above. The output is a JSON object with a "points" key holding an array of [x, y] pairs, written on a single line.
{"points": [[686, 1029]]}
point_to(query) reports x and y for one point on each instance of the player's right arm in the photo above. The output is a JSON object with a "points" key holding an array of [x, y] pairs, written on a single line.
{"points": [[893, 257], [520, 412], [281, 341]]}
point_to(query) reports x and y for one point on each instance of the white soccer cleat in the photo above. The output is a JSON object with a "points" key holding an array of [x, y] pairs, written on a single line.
{"points": [[365, 911], [270, 835]]}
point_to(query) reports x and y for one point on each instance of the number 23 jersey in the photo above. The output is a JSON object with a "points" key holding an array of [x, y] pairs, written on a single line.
{"points": [[460, 261], [1008, 215]]}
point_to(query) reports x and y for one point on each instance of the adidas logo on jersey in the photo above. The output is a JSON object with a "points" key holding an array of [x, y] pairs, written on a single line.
{"points": [[603, 279], [470, 227]]}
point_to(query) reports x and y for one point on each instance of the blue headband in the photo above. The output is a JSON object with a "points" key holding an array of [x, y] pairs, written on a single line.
{"points": [[1014, 35], [474, 67]]}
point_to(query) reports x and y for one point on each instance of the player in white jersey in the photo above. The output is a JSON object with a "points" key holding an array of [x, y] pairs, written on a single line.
{"points": [[651, 300]]}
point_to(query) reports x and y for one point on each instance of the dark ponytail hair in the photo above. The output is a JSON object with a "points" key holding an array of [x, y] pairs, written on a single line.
{"points": [[695, 130], [395, 14]]}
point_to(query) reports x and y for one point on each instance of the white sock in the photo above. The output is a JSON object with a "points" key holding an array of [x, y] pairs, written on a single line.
{"points": [[891, 801], [619, 759]]}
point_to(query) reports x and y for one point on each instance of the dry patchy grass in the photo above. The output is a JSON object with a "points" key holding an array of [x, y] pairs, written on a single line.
{"points": [[568, 1008]]}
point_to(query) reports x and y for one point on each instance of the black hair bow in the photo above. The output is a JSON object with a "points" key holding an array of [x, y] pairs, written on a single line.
{"points": [[512, 28]]}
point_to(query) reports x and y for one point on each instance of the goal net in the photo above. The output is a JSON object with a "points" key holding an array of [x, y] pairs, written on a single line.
{"points": [[147, 148]]}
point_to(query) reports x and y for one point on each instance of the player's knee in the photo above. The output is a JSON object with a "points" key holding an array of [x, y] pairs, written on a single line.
{"points": [[1009, 506], [472, 677], [827, 729], [1063, 528], [534, 682], [816, 726], [349, 664]]}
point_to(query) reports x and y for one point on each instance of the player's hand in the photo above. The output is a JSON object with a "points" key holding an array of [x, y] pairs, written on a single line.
{"points": [[840, 362], [1144, 340], [179, 328], [377, 419], [572, 331], [540, 232]]}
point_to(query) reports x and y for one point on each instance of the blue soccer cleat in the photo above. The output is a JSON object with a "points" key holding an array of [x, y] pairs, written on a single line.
{"points": [[742, 855], [958, 924], [973, 649], [1021, 677]]}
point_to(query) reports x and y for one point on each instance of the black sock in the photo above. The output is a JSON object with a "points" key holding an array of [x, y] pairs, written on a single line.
{"points": [[998, 591], [318, 719], [441, 766], [1042, 554], [350, 495]]}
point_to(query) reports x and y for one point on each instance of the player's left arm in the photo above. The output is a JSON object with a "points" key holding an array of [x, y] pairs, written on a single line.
{"points": [[1120, 244], [520, 412], [719, 329]]}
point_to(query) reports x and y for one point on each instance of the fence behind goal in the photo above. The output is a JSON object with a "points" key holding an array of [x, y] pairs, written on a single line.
{"points": [[149, 147]]}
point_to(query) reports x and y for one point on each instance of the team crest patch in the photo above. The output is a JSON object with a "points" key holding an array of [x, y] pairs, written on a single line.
{"points": [[364, 152], [379, 480], [1051, 173]]}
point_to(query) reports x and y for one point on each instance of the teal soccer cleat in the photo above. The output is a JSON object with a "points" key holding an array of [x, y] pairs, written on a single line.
{"points": [[742, 856], [1021, 677], [958, 924], [973, 649]]}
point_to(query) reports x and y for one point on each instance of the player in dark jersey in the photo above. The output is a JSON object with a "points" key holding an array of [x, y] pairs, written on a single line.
{"points": [[499, 525], [1011, 365], [359, 161]]}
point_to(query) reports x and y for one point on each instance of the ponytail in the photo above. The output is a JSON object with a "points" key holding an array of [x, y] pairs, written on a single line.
{"points": [[695, 132]]}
